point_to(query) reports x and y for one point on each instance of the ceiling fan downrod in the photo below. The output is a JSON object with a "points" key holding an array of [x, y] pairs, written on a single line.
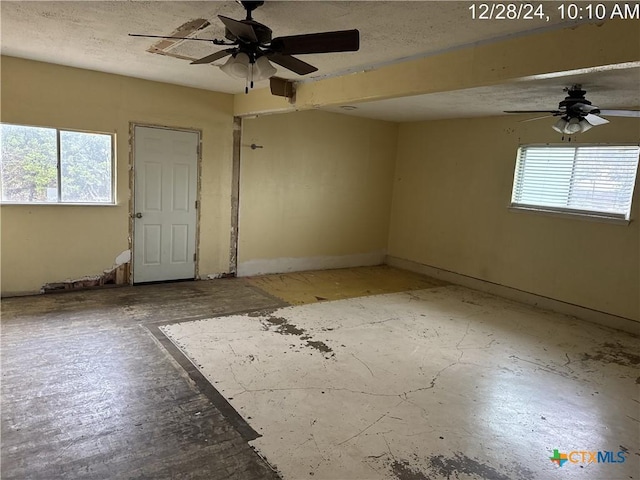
{"points": [[250, 7]]}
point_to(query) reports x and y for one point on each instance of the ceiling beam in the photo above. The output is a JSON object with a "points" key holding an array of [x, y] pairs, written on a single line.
{"points": [[548, 53]]}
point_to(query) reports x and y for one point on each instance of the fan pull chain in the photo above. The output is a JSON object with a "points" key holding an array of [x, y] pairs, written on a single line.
{"points": [[249, 79]]}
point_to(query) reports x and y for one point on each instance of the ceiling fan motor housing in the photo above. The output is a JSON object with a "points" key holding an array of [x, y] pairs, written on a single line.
{"points": [[253, 48], [575, 105]]}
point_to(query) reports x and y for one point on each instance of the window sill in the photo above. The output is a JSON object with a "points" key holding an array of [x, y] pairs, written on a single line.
{"points": [[55, 204], [570, 215]]}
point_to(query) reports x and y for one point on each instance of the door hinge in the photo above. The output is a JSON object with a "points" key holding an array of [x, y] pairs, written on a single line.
{"points": [[194, 257], [197, 204]]}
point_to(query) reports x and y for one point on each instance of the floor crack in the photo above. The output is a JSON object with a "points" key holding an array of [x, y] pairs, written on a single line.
{"points": [[363, 430], [328, 389], [370, 425], [366, 366]]}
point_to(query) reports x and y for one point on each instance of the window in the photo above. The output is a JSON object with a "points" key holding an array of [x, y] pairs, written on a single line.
{"points": [[48, 165], [590, 180]]}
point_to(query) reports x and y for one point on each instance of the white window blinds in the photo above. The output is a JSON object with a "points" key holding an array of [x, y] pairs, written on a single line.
{"points": [[594, 180]]}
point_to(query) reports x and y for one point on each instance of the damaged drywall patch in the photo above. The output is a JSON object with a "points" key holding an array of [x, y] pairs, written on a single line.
{"points": [[166, 46], [118, 274], [215, 276], [124, 257]]}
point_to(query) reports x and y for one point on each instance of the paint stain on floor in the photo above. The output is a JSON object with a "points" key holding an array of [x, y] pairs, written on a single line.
{"points": [[283, 327], [402, 470], [613, 353], [452, 467], [440, 467]]}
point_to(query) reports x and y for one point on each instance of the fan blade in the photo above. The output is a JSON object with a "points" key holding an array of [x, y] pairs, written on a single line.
{"points": [[171, 38], [213, 57], [553, 112], [536, 118], [621, 113], [595, 120], [326, 42], [582, 109], [240, 30], [291, 63]]}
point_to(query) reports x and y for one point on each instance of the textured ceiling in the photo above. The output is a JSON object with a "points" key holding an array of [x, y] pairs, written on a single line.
{"points": [[611, 89], [93, 35]]}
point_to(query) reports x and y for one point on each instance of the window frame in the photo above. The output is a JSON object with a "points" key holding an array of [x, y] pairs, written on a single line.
{"points": [[567, 212], [59, 202]]}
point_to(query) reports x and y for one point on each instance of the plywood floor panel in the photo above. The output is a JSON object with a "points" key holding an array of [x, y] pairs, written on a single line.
{"points": [[298, 288]]}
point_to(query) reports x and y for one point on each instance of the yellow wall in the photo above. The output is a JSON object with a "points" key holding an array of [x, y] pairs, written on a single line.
{"points": [[52, 243], [318, 194], [452, 187]]}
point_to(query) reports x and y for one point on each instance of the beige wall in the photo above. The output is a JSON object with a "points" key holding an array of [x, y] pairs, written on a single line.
{"points": [[317, 195], [52, 243], [452, 187]]}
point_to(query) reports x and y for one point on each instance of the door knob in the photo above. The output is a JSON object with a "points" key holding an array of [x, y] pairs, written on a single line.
{"points": [[138, 215]]}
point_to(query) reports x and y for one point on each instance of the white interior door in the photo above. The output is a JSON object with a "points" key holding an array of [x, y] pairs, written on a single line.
{"points": [[164, 232]]}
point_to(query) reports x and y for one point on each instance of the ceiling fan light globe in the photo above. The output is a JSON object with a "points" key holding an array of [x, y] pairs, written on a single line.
{"points": [[585, 125], [237, 67], [560, 125], [262, 69], [573, 126]]}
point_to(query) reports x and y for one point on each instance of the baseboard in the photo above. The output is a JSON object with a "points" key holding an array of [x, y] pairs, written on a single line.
{"points": [[594, 316], [20, 294], [299, 264]]}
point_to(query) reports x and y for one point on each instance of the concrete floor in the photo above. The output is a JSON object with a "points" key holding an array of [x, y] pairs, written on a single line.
{"points": [[439, 383], [91, 388]]}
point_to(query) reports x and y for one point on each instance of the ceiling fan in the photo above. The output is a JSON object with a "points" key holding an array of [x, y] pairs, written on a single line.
{"points": [[252, 47], [577, 114]]}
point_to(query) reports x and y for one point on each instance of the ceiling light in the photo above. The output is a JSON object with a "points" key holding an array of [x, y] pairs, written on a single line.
{"points": [[585, 125], [573, 126], [247, 68], [560, 124], [570, 126], [262, 69], [237, 66]]}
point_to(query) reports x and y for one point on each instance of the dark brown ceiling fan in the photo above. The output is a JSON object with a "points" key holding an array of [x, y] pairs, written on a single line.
{"points": [[252, 47], [577, 114]]}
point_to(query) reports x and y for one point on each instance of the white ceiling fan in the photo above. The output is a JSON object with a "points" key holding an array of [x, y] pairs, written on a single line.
{"points": [[577, 114]]}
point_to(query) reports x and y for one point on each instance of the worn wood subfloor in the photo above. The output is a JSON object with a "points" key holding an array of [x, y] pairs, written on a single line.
{"points": [[92, 390], [87, 391]]}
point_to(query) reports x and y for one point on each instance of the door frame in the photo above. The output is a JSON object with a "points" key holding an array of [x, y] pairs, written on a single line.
{"points": [[132, 188]]}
